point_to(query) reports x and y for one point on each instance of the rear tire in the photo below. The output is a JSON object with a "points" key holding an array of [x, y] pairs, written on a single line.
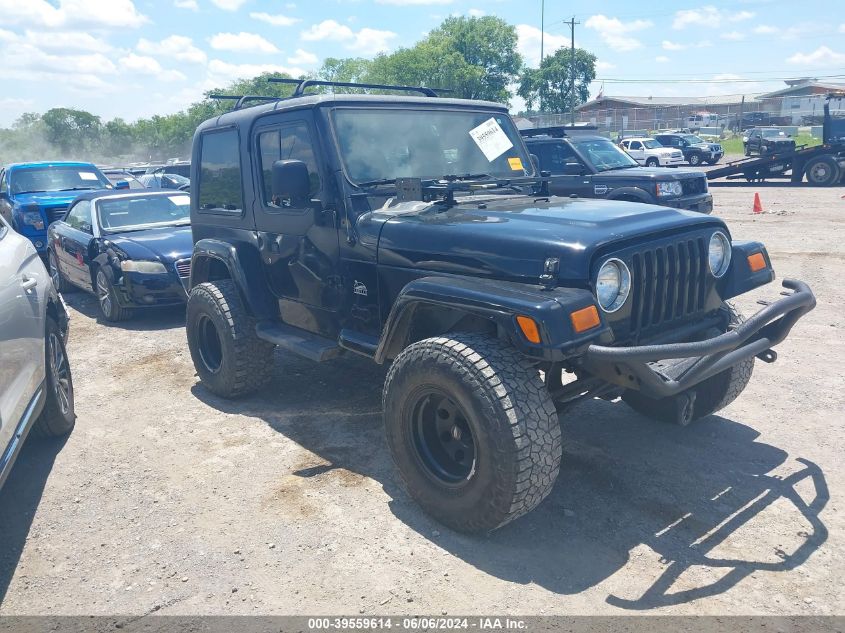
{"points": [[472, 430], [58, 416], [711, 395], [652, 162], [695, 160], [230, 359], [823, 171], [107, 297]]}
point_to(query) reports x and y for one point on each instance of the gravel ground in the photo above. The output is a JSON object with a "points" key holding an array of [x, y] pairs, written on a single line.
{"points": [[166, 499]]}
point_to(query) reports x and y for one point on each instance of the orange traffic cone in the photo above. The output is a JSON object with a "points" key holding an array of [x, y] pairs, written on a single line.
{"points": [[758, 206]]}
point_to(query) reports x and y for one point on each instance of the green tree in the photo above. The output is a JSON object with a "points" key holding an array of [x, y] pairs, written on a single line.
{"points": [[71, 129], [550, 84], [349, 69]]}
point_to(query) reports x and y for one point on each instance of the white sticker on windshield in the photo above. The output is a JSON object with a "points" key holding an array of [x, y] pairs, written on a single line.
{"points": [[491, 139], [180, 199], [88, 175]]}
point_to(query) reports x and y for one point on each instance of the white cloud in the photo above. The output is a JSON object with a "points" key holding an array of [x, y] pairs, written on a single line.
{"points": [[842, 28], [734, 36], [661, 59], [708, 16], [600, 65], [186, 4], [176, 47], [58, 40], [822, 56], [228, 5], [615, 33], [68, 13], [476, 13], [404, 3], [242, 43], [528, 43], [224, 72], [143, 65], [765, 29], [672, 46], [365, 41], [22, 61], [303, 58], [276, 20]]}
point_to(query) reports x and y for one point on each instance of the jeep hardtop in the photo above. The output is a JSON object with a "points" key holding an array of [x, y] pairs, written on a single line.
{"points": [[415, 231]]}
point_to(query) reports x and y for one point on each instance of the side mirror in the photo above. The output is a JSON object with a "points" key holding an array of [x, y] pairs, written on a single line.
{"points": [[573, 169], [121, 184], [289, 182]]}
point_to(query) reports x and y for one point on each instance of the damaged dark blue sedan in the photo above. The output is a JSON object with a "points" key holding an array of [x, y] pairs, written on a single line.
{"points": [[132, 250]]}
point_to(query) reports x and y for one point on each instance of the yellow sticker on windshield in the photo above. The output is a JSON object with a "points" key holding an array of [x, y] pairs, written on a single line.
{"points": [[516, 164]]}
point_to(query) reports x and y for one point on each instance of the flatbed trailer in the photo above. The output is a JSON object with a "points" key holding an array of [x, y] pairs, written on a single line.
{"points": [[822, 165]]}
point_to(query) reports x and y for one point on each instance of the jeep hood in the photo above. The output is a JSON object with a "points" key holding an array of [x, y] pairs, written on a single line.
{"points": [[510, 239], [165, 244]]}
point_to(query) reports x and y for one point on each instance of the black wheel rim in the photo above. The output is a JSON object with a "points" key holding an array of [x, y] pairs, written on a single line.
{"points": [[442, 438], [209, 345], [104, 293], [59, 374], [819, 172], [54, 271]]}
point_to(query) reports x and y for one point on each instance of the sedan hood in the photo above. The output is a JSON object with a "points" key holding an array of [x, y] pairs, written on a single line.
{"points": [[510, 240], [166, 244]]}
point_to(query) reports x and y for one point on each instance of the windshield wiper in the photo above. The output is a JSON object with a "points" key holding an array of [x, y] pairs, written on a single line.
{"points": [[376, 183], [620, 167], [77, 189], [33, 191], [465, 177]]}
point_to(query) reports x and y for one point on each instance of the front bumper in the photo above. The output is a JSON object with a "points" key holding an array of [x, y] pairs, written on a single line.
{"points": [[701, 202], [671, 161], [138, 290], [629, 367]]}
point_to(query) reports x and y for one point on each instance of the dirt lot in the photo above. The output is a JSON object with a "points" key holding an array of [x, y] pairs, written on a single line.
{"points": [[168, 499]]}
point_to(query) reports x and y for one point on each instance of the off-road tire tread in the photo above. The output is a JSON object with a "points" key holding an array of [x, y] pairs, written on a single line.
{"points": [[712, 395], [253, 356], [51, 422], [510, 388]]}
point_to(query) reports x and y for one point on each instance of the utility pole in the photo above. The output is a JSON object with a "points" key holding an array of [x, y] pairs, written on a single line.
{"points": [[542, 36], [572, 24]]}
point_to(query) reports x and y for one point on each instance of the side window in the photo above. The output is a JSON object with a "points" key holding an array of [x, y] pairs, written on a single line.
{"points": [[220, 173], [79, 217], [636, 145], [289, 142], [555, 156], [3, 187]]}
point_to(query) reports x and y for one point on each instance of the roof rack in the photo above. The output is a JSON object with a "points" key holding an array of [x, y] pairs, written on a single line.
{"points": [[242, 99], [303, 84], [557, 131]]}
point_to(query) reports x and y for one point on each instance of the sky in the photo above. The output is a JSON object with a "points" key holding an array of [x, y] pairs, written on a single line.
{"points": [[136, 58]]}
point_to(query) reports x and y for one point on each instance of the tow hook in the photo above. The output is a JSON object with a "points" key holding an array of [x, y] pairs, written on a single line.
{"points": [[684, 407], [768, 356]]}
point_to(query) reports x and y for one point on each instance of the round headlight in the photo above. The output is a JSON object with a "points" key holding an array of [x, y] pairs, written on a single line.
{"points": [[613, 284], [719, 254]]}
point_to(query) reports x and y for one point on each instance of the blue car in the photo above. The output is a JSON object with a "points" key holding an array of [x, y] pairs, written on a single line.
{"points": [[32, 195], [132, 250]]}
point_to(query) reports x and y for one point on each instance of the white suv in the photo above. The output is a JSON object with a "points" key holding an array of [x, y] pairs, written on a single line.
{"points": [[36, 389], [649, 152]]}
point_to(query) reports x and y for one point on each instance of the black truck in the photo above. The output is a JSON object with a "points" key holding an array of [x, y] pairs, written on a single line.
{"points": [[414, 231], [591, 166], [696, 150]]}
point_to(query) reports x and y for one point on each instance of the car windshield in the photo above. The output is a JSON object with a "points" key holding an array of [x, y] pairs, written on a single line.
{"points": [[693, 139], [139, 212], [652, 144], [57, 178], [604, 155], [773, 133], [382, 145]]}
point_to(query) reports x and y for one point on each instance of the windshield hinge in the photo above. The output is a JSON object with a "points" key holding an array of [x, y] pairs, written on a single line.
{"points": [[551, 267]]}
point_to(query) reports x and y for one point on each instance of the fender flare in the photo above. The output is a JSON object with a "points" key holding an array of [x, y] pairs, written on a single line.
{"points": [[634, 192], [499, 302], [241, 264]]}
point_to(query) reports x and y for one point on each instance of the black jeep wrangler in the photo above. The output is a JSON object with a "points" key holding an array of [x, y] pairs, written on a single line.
{"points": [[591, 166], [414, 231]]}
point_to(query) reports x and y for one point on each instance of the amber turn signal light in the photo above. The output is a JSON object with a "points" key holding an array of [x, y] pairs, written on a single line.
{"points": [[529, 328], [585, 319], [756, 262]]}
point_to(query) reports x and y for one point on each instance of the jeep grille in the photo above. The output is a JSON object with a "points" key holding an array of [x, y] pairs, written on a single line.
{"points": [[668, 282]]}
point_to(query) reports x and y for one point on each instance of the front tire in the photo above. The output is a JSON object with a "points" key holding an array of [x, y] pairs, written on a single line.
{"points": [[652, 162], [711, 395], [107, 298], [58, 416], [472, 430], [230, 359], [695, 160]]}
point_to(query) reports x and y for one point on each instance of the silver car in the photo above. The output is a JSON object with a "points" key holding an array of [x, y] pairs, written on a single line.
{"points": [[36, 388]]}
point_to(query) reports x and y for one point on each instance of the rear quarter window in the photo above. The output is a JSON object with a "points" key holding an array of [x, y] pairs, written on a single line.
{"points": [[220, 188]]}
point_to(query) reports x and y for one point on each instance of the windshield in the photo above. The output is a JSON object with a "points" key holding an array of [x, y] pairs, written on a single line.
{"points": [[652, 144], [773, 133], [134, 183], [65, 178], [693, 139], [137, 212], [386, 144], [604, 155]]}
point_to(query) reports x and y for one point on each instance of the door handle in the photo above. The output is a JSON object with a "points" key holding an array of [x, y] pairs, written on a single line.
{"points": [[28, 284]]}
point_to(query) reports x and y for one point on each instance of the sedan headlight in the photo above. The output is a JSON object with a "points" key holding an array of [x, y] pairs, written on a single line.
{"points": [[719, 254], [140, 266], [613, 285], [671, 188]]}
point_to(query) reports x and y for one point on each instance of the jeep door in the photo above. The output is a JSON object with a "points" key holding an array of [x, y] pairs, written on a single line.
{"points": [[299, 250]]}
